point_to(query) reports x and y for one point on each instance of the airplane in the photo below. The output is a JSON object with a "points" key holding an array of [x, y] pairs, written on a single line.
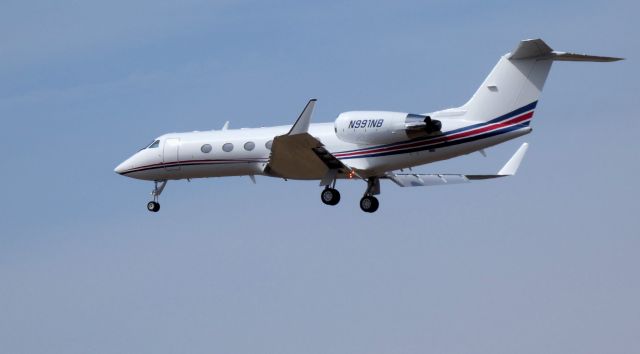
{"points": [[365, 145]]}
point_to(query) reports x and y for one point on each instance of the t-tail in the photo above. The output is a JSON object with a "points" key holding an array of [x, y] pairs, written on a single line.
{"points": [[512, 89]]}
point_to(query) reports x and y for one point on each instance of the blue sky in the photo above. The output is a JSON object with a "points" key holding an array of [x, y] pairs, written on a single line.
{"points": [[542, 262]]}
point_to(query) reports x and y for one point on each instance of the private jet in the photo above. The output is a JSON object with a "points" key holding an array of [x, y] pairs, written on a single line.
{"points": [[368, 146]]}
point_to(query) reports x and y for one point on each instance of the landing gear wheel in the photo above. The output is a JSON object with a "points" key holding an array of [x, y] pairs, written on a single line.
{"points": [[153, 206], [369, 203], [330, 196]]}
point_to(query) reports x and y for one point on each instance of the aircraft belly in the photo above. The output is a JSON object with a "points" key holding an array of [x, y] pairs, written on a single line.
{"points": [[202, 170], [221, 170]]}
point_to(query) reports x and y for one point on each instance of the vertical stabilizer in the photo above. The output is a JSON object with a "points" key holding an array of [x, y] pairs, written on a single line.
{"points": [[517, 80]]}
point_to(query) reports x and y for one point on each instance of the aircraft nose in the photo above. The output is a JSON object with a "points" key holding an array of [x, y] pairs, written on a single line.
{"points": [[121, 168]]}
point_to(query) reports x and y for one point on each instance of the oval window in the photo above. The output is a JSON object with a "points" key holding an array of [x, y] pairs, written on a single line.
{"points": [[206, 148], [228, 147], [249, 145], [268, 144]]}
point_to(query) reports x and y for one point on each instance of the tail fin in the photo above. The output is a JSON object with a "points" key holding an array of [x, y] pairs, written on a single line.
{"points": [[515, 83]]}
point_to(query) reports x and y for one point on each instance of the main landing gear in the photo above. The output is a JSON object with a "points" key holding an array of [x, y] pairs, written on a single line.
{"points": [[153, 205], [330, 196], [368, 203]]}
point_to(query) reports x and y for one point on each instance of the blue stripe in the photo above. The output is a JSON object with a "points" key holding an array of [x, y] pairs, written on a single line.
{"points": [[187, 163], [444, 144], [511, 114]]}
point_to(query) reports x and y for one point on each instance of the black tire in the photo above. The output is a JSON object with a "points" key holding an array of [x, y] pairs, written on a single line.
{"points": [[153, 207], [369, 204], [330, 196]]}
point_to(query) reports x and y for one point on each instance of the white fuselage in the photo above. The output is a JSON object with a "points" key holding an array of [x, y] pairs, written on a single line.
{"points": [[181, 155], [369, 145]]}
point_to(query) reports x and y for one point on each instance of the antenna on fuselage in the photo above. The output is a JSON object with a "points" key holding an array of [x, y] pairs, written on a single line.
{"points": [[225, 126]]}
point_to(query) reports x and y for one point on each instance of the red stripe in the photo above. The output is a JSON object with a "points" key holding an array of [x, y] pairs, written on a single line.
{"points": [[176, 163], [484, 129]]}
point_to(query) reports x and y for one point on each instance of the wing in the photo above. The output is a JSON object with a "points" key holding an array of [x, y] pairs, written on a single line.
{"points": [[298, 155], [419, 180]]}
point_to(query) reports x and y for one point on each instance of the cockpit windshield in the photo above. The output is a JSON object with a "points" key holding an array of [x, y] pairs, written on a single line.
{"points": [[153, 144]]}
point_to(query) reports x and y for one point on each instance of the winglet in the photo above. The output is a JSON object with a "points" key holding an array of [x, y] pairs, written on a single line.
{"points": [[302, 123], [511, 167]]}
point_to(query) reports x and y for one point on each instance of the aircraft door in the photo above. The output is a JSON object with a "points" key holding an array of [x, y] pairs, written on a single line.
{"points": [[170, 154]]}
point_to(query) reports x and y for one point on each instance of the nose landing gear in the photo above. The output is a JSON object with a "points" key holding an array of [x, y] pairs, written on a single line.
{"points": [[153, 205]]}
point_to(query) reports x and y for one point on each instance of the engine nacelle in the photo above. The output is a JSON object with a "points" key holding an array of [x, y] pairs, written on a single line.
{"points": [[376, 127]]}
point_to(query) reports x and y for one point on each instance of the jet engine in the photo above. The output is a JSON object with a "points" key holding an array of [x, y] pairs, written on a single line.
{"points": [[374, 127]]}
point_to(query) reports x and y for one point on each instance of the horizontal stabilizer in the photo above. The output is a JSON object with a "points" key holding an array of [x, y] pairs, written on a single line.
{"points": [[582, 57], [538, 49]]}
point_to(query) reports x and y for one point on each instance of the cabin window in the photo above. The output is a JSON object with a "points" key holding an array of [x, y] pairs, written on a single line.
{"points": [[228, 147], [155, 144], [206, 148], [249, 145], [268, 144]]}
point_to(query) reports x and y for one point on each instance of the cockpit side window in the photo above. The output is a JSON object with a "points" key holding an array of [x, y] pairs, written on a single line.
{"points": [[155, 144]]}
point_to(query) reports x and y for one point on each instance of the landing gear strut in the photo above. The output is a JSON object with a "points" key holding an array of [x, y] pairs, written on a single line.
{"points": [[369, 203], [153, 205]]}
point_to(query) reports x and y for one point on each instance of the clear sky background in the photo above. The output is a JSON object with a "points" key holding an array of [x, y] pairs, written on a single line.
{"points": [[544, 262]]}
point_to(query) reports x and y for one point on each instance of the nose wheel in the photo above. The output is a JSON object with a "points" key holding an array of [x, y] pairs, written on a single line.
{"points": [[154, 206]]}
